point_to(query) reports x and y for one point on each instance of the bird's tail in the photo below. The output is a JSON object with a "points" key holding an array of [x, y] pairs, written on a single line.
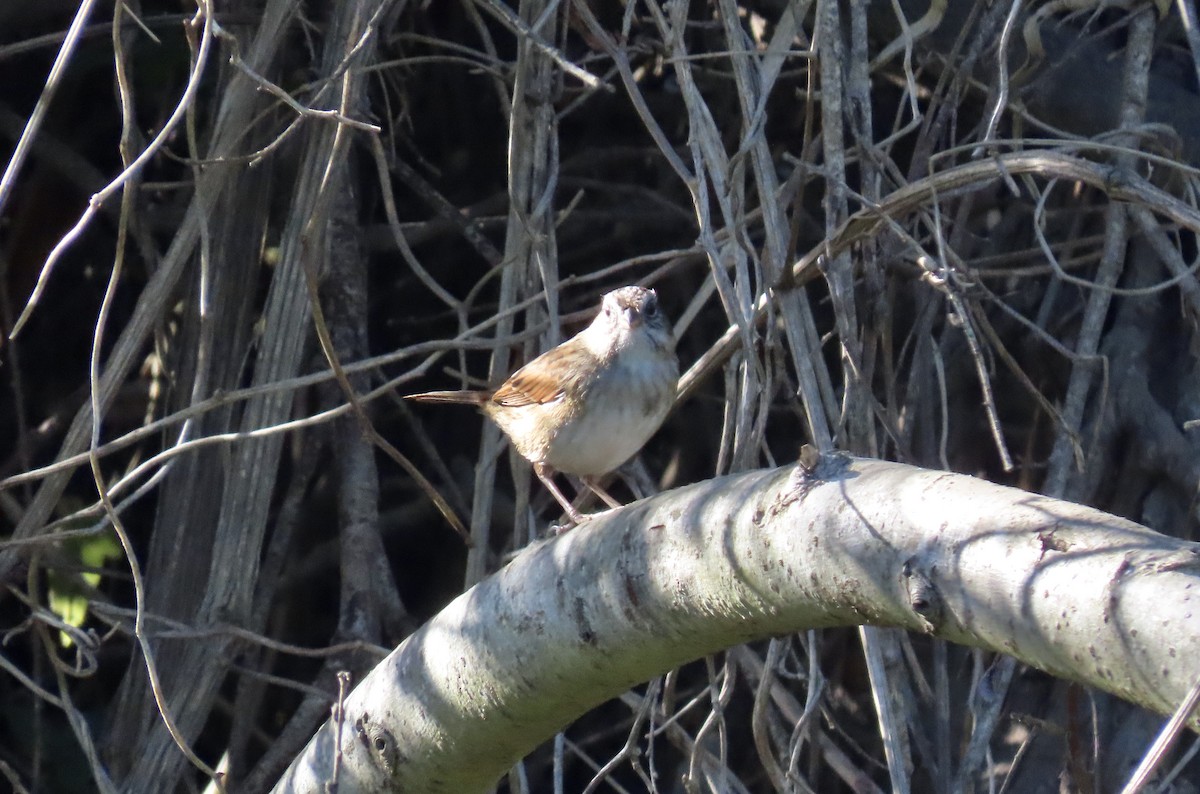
{"points": [[463, 397]]}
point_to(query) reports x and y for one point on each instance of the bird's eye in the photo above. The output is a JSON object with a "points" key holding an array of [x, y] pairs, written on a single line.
{"points": [[651, 309]]}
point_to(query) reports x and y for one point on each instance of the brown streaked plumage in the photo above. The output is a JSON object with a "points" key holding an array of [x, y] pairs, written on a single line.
{"points": [[591, 403]]}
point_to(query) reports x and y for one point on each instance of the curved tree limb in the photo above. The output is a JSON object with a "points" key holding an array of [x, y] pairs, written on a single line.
{"points": [[576, 620]]}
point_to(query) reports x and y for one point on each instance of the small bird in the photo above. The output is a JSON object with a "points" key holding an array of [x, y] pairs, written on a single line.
{"points": [[588, 405]]}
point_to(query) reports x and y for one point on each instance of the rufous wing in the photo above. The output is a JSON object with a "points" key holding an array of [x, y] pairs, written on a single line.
{"points": [[548, 378], [528, 388]]}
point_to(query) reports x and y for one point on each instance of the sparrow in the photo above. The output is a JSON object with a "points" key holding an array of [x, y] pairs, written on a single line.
{"points": [[588, 405]]}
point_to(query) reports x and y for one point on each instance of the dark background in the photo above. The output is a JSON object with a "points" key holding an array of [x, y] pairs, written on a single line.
{"points": [[329, 564]]}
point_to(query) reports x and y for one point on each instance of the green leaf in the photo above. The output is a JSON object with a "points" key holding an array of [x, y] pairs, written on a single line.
{"points": [[68, 599]]}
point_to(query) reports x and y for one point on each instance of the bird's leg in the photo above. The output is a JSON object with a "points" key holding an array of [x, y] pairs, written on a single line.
{"points": [[593, 484], [546, 475]]}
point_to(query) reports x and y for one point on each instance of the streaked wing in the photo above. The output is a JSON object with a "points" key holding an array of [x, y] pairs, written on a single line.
{"points": [[528, 388], [547, 378]]}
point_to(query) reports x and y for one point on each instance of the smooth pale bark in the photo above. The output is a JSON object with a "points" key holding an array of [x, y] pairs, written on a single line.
{"points": [[578, 619]]}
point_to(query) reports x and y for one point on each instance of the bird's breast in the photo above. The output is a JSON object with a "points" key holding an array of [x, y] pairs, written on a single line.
{"points": [[622, 408]]}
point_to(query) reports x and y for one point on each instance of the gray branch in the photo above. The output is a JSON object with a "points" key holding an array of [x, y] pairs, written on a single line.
{"points": [[578, 619]]}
